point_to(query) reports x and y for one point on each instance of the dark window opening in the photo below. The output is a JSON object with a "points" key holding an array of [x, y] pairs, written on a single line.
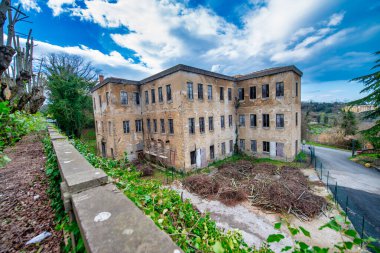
{"points": [[252, 92]]}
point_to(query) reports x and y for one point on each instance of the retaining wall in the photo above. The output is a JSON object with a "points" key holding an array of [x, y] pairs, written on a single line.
{"points": [[108, 220]]}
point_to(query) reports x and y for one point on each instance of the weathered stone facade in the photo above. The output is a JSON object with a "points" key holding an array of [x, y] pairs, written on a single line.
{"points": [[187, 117]]}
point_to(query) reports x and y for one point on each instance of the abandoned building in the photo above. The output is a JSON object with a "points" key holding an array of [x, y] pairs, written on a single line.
{"points": [[187, 117]]}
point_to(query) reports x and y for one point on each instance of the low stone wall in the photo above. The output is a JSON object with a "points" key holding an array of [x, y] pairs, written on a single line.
{"points": [[108, 220]]}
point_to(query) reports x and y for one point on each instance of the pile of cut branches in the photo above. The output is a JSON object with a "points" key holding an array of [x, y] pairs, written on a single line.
{"points": [[277, 189]]}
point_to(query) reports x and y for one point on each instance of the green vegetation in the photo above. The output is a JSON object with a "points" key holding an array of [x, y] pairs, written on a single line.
{"points": [[317, 129], [197, 232], [15, 125], [365, 158], [372, 90], [61, 217], [88, 136], [191, 230], [69, 80], [348, 124]]}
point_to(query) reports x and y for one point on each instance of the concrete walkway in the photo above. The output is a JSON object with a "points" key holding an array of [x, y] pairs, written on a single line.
{"points": [[360, 184]]}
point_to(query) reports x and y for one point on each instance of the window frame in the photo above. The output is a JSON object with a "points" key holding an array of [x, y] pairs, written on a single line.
{"points": [[252, 92], [138, 125], [160, 95], [126, 127], [121, 97], [280, 120], [230, 120], [155, 128], [146, 97], [190, 91], [171, 126], [254, 150], [209, 92], [241, 94], [266, 119], [202, 129], [280, 90], [241, 120], [242, 147], [229, 94], [222, 122], [169, 96], [211, 123], [266, 144], [162, 125], [254, 117], [212, 152], [221, 93], [191, 122], [153, 95], [266, 94], [200, 91]]}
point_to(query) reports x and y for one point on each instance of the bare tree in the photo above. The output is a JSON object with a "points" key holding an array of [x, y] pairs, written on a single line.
{"points": [[19, 85]]}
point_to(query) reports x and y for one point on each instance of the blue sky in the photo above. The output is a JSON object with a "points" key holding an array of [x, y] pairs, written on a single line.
{"points": [[330, 41]]}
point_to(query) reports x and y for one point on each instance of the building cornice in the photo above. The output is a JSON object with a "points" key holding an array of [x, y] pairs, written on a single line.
{"points": [[185, 68]]}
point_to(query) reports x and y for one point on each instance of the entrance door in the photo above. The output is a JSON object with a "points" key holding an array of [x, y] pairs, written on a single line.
{"points": [[104, 151]]}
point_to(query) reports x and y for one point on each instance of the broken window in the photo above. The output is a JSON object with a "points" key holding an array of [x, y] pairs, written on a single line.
{"points": [[124, 98], [265, 91], [191, 126], [160, 96], [212, 152], [190, 94], [242, 144], [171, 126], [223, 148], [241, 93], [266, 146], [200, 91], [265, 120], [229, 94], [148, 125], [155, 125], [252, 92], [201, 125], [253, 120], [280, 120], [211, 123], [222, 125], [126, 126], [280, 89], [138, 125], [146, 97], [107, 97], [209, 92], [241, 120], [253, 145], [221, 93], [168, 92], [137, 98], [162, 122], [230, 120], [231, 146], [193, 157], [153, 95]]}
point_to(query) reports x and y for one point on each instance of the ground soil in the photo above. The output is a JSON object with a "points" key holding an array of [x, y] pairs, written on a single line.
{"points": [[21, 216]]}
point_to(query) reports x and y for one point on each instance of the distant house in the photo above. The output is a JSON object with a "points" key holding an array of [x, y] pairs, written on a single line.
{"points": [[359, 108], [187, 117]]}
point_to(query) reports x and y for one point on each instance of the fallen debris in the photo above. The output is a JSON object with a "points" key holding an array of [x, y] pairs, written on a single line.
{"points": [[38, 238], [145, 169], [278, 189]]}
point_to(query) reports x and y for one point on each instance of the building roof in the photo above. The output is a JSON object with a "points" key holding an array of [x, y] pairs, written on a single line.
{"points": [[181, 67]]}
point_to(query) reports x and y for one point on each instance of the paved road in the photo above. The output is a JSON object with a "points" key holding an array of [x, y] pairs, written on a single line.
{"points": [[360, 184]]}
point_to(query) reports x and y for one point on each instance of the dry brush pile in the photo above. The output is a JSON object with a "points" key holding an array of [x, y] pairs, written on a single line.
{"points": [[278, 189]]}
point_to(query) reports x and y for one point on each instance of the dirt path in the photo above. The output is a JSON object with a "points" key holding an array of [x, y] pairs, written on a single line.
{"points": [[25, 211]]}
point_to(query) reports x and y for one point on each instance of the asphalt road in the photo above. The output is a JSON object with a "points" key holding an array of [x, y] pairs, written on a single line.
{"points": [[360, 184]]}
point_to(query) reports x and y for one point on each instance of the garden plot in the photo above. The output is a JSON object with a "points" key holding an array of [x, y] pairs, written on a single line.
{"points": [[252, 198]]}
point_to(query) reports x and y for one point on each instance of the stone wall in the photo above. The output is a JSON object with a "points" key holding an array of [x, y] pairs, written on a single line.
{"points": [[108, 220]]}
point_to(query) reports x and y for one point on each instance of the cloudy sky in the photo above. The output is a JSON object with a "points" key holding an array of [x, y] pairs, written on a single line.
{"points": [[330, 41]]}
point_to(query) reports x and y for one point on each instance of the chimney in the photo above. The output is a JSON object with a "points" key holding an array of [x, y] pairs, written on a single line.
{"points": [[101, 78]]}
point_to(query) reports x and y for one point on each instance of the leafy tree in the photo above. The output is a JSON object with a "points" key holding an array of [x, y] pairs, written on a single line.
{"points": [[372, 89], [69, 81], [349, 124]]}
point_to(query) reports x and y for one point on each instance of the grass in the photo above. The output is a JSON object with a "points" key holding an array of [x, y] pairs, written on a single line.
{"points": [[89, 138], [318, 128], [365, 158]]}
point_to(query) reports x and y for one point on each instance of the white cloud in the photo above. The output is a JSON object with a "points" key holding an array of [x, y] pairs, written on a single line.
{"points": [[336, 19], [57, 5], [29, 5], [112, 64], [167, 32]]}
